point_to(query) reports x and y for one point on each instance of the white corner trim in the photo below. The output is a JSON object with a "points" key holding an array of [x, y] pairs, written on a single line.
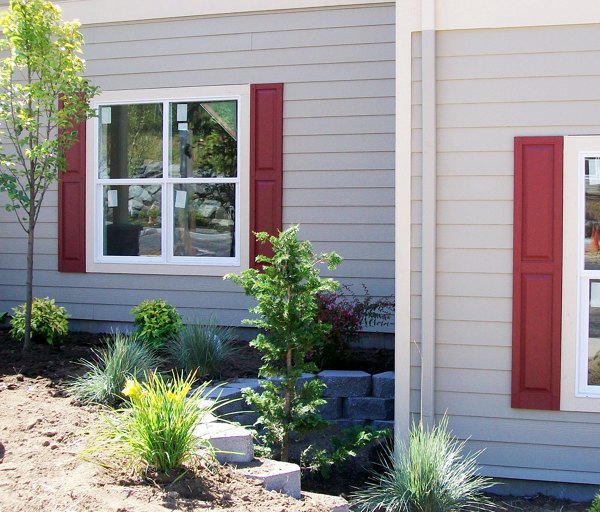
{"points": [[407, 16], [90, 12]]}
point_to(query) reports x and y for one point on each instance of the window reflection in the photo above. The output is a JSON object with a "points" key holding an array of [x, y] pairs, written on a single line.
{"points": [[204, 220], [592, 213]]}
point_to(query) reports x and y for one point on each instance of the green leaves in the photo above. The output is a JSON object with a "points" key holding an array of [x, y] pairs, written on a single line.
{"points": [[156, 321], [286, 293], [41, 66], [48, 321]]}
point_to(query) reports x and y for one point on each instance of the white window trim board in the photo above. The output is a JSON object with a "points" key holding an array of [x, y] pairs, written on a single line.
{"points": [[144, 266]]}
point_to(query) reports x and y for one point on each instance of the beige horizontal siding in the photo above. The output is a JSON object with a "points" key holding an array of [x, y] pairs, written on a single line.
{"points": [[339, 74], [494, 85]]}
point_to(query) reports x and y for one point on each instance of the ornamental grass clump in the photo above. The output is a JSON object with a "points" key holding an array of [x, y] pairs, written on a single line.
{"points": [[430, 475], [203, 348], [156, 431], [124, 357]]}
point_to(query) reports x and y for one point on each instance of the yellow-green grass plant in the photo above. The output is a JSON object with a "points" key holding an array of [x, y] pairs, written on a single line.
{"points": [[431, 474], [155, 431], [123, 357]]}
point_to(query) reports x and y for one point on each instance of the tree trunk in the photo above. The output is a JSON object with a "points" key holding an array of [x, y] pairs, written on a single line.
{"points": [[29, 280], [30, 238], [287, 408]]}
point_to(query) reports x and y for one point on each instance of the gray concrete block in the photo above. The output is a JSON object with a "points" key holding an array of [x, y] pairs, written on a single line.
{"points": [[245, 419], [383, 424], [383, 385], [274, 475], [332, 409], [349, 422], [369, 408], [231, 443], [344, 383]]}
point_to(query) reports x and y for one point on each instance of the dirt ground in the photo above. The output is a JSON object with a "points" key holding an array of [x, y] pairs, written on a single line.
{"points": [[43, 432]]}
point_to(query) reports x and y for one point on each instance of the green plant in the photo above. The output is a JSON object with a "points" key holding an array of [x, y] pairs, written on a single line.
{"points": [[156, 321], [3, 317], [40, 63], [347, 314], [124, 357], [157, 431], [343, 448], [286, 290], [428, 475], [48, 321], [203, 348], [595, 506]]}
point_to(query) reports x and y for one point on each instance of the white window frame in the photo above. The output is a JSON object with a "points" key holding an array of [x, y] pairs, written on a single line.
{"points": [[576, 394], [96, 261]]}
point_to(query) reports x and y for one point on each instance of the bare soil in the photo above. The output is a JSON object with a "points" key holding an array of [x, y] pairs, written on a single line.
{"points": [[43, 432]]}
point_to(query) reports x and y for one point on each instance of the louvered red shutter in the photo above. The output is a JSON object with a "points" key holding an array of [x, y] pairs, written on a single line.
{"points": [[266, 163], [71, 208], [537, 272]]}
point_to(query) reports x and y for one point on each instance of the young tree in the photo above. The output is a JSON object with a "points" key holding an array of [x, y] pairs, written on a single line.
{"points": [[286, 292], [42, 65]]}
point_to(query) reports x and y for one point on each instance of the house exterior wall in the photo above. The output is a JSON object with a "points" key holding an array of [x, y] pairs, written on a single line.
{"points": [[337, 65], [493, 85]]}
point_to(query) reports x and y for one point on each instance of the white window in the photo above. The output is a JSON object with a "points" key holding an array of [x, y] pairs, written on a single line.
{"points": [[580, 343], [170, 181]]}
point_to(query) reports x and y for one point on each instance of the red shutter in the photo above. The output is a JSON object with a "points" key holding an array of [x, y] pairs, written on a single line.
{"points": [[266, 163], [537, 272], [71, 208]]}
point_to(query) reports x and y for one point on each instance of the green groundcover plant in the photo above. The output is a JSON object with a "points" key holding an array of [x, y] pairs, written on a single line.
{"points": [[123, 357], [156, 431], [429, 475], [595, 506], [157, 322], [49, 322]]}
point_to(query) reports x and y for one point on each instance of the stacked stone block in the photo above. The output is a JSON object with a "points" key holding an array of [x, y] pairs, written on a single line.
{"points": [[352, 398]]}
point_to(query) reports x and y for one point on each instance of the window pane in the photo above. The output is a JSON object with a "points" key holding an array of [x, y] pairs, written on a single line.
{"points": [[204, 220], [204, 139], [594, 335], [592, 213], [130, 144], [132, 220]]}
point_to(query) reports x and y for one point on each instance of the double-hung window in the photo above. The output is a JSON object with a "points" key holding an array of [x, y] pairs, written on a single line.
{"points": [[580, 353], [170, 181]]}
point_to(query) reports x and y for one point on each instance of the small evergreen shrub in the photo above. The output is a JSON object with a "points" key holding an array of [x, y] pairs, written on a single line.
{"points": [[157, 322], [347, 314], [430, 475], [286, 291], [156, 431], [203, 348], [49, 322], [124, 357]]}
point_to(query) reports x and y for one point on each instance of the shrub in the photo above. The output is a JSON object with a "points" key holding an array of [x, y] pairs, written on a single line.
{"points": [[203, 348], [347, 314], [343, 448], [124, 357], [286, 292], [431, 475], [157, 431], [49, 322], [595, 506], [156, 321]]}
